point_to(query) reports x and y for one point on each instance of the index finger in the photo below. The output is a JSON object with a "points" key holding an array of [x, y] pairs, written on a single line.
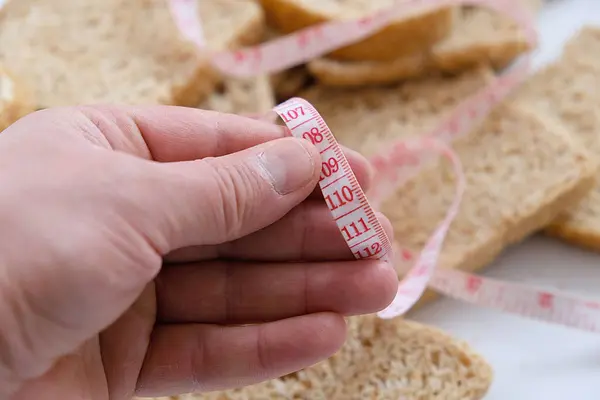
{"points": [[173, 134]]}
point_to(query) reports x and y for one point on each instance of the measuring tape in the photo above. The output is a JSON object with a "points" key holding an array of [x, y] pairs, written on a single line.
{"points": [[343, 195]]}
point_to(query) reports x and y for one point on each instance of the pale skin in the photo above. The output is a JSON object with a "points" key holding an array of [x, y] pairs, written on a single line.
{"points": [[137, 243]]}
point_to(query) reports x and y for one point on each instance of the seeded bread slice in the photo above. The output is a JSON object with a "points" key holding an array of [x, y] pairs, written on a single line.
{"points": [[117, 51], [383, 360], [408, 34], [479, 36], [521, 169], [568, 91]]}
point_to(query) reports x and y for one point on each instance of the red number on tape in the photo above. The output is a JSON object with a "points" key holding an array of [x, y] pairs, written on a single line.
{"points": [[329, 167], [355, 229], [292, 114], [314, 135], [339, 198], [546, 300], [473, 284], [368, 251]]}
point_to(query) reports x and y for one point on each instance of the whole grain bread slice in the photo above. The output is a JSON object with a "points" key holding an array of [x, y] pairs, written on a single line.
{"points": [[568, 91], [383, 360], [521, 169], [479, 36], [118, 51], [408, 34]]}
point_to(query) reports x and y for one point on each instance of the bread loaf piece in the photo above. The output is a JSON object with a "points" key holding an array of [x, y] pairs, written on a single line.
{"points": [[568, 91], [381, 360], [406, 35], [480, 36], [15, 98], [368, 119], [117, 51], [521, 170]]}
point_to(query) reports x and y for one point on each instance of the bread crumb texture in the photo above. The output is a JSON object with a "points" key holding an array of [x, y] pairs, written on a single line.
{"points": [[117, 51], [407, 34], [480, 36], [568, 91], [382, 360]]}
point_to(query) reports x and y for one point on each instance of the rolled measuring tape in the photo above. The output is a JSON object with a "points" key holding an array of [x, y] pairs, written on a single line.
{"points": [[343, 195]]}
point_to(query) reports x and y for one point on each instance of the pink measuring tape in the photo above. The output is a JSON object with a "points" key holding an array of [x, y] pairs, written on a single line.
{"points": [[343, 195]]}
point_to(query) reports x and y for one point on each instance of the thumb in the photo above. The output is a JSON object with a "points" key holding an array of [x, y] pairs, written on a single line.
{"points": [[215, 200]]}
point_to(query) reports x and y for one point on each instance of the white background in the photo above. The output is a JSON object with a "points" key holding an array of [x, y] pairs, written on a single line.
{"points": [[534, 360]]}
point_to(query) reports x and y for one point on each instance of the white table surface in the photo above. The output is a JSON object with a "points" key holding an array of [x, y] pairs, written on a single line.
{"points": [[534, 360]]}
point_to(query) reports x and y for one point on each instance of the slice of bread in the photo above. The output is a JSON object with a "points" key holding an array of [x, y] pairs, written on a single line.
{"points": [[118, 51], [408, 34], [521, 169], [367, 119], [383, 360], [479, 36], [16, 100], [568, 91]]}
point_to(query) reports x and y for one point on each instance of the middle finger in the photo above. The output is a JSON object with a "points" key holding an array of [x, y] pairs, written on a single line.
{"points": [[306, 233], [238, 292]]}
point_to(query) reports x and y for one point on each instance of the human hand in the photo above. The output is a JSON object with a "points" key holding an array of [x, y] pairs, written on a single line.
{"points": [[160, 250]]}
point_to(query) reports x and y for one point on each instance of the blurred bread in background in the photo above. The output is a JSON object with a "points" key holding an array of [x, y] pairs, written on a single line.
{"points": [[480, 36], [118, 51], [404, 36]]}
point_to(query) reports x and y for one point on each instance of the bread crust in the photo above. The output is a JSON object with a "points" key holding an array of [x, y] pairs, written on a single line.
{"points": [[404, 37], [479, 37]]}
